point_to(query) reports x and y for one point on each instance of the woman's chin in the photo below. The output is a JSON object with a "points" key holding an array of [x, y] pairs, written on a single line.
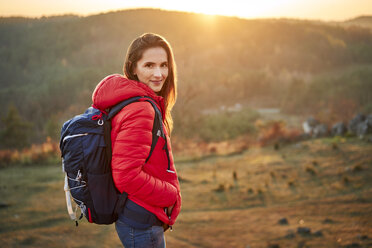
{"points": [[156, 88]]}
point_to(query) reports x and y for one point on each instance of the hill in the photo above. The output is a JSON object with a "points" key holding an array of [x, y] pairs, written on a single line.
{"points": [[50, 66], [364, 21]]}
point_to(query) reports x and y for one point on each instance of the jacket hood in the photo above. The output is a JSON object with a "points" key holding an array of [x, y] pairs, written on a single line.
{"points": [[116, 88]]}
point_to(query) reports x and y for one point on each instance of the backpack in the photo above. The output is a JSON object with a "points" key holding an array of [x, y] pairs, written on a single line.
{"points": [[85, 146]]}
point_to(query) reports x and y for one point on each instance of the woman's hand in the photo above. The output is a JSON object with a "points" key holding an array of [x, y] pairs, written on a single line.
{"points": [[175, 209], [169, 210]]}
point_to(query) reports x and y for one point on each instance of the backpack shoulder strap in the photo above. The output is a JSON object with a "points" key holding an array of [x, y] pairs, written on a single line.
{"points": [[116, 109], [157, 129]]}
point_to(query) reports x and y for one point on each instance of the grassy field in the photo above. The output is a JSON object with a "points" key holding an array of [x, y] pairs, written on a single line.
{"points": [[324, 185]]}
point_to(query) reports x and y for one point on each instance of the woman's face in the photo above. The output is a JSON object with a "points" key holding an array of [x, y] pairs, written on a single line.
{"points": [[152, 68]]}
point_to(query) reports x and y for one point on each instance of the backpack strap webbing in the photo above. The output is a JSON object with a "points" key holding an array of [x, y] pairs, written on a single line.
{"points": [[157, 129], [116, 109]]}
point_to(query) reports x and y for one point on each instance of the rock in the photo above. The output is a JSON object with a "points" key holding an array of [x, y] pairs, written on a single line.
{"points": [[339, 129], [362, 237], [309, 125], [221, 188], [290, 234], [328, 221], [353, 245], [318, 233], [273, 246], [312, 121], [304, 230], [353, 123], [369, 120], [347, 169], [363, 129], [4, 205], [283, 221], [320, 130]]}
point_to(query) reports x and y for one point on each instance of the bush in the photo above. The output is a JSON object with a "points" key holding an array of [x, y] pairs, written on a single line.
{"points": [[275, 132], [45, 153], [226, 125]]}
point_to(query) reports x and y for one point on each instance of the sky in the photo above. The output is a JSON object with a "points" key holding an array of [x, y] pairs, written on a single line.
{"points": [[326, 10]]}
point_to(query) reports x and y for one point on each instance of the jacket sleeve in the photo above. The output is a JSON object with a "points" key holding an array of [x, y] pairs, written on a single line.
{"points": [[131, 145]]}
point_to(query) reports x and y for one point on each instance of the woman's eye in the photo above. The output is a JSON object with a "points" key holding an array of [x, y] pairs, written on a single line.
{"points": [[149, 65], [164, 65]]}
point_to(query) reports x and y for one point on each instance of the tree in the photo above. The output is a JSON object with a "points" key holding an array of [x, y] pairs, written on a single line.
{"points": [[53, 128], [16, 132]]}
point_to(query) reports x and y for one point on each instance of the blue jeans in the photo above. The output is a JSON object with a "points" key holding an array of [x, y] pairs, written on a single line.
{"points": [[152, 237]]}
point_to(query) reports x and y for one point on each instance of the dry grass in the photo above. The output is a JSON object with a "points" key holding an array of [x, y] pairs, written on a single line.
{"points": [[302, 182], [267, 185]]}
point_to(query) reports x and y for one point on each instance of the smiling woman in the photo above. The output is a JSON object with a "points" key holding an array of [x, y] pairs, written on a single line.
{"points": [[139, 129]]}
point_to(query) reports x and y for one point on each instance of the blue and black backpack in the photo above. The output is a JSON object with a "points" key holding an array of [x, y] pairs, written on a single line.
{"points": [[85, 145]]}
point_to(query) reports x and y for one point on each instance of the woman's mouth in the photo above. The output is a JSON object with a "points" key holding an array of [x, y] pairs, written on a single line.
{"points": [[156, 81]]}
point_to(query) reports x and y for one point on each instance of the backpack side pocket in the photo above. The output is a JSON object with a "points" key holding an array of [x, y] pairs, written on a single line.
{"points": [[104, 197]]}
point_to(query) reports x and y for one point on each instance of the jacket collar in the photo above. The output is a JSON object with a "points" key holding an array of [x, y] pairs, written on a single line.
{"points": [[116, 88]]}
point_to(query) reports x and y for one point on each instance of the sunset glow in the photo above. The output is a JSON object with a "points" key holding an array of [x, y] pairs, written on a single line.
{"points": [[305, 9]]}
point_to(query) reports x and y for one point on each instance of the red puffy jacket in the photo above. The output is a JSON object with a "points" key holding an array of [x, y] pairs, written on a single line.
{"points": [[149, 184]]}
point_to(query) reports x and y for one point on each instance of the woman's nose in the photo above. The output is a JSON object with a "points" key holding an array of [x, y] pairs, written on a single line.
{"points": [[157, 72]]}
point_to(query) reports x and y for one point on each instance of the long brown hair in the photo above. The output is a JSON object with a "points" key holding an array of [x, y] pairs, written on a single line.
{"points": [[169, 89]]}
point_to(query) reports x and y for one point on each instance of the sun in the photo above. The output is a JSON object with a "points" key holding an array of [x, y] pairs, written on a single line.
{"points": [[245, 9]]}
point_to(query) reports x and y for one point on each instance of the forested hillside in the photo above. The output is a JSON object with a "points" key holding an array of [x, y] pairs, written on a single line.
{"points": [[50, 66]]}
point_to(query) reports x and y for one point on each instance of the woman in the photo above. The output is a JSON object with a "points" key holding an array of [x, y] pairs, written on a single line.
{"points": [[154, 199]]}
